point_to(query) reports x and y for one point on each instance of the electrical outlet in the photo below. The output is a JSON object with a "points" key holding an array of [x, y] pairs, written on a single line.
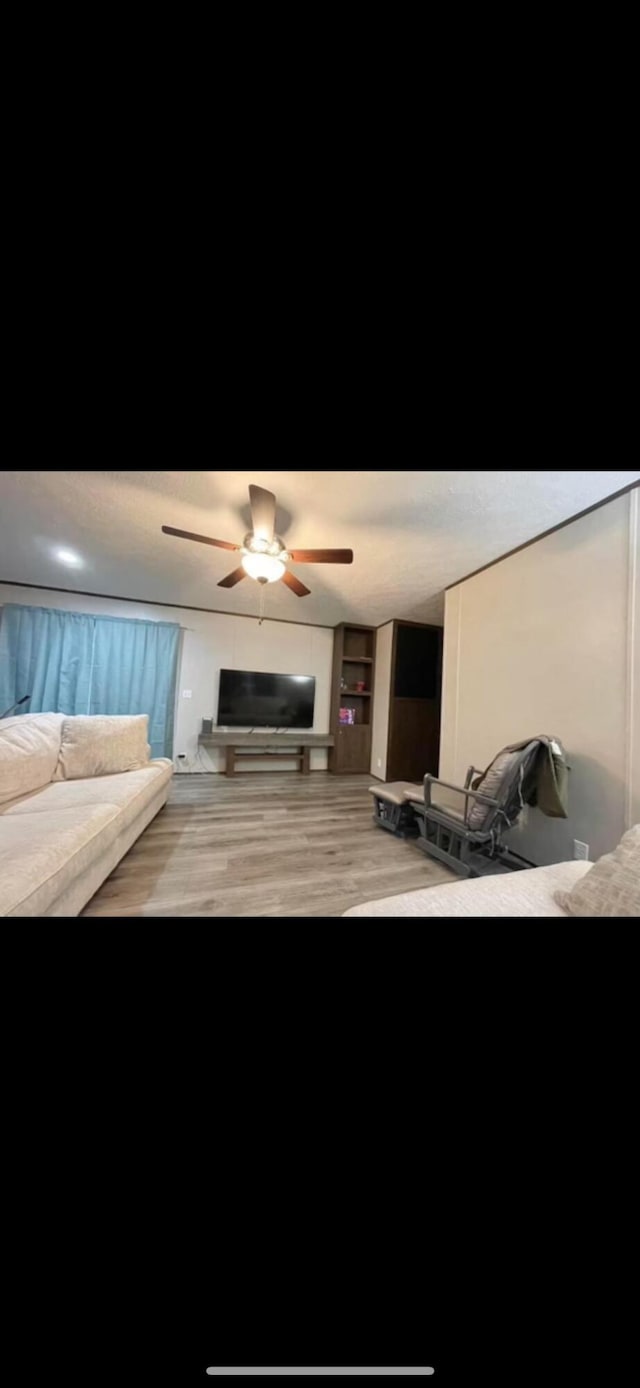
{"points": [[580, 850], [186, 693]]}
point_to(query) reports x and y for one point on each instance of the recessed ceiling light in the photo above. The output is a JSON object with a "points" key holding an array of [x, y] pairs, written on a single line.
{"points": [[67, 556]]}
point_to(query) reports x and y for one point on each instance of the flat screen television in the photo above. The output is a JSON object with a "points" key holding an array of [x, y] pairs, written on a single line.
{"points": [[252, 699]]}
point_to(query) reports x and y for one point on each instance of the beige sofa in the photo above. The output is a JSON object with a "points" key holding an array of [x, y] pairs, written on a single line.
{"points": [[526, 893], [75, 794]]}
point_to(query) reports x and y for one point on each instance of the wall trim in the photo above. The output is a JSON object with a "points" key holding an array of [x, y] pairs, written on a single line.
{"points": [[155, 602], [437, 626], [632, 637], [551, 531]]}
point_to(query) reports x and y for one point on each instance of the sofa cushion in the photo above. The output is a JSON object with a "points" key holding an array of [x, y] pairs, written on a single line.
{"points": [[527, 893], [100, 744], [611, 887], [42, 853], [128, 792], [29, 750]]}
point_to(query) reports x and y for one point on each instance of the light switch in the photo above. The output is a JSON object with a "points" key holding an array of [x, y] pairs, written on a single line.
{"points": [[186, 693]]}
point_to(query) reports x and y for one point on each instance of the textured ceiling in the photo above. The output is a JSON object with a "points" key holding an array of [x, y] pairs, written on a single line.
{"points": [[412, 533]]}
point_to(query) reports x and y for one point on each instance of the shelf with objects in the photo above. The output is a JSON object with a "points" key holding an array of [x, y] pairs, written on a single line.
{"points": [[352, 697]]}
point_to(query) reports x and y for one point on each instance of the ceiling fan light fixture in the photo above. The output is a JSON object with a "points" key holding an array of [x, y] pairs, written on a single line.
{"points": [[264, 554], [264, 567]]}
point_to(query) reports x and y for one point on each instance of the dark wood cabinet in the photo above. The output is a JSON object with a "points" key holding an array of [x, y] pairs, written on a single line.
{"points": [[354, 654], [413, 746], [352, 749]]}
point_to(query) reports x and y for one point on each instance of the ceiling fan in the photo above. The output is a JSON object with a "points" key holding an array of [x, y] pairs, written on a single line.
{"points": [[264, 555]]}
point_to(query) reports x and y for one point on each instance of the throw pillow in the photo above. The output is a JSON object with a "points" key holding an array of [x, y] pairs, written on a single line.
{"points": [[102, 744], [612, 886], [29, 748]]}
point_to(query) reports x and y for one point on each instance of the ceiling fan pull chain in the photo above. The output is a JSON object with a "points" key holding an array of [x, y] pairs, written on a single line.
{"points": [[263, 589]]}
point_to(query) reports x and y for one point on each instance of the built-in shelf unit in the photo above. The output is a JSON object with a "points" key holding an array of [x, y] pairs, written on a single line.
{"points": [[354, 653]]}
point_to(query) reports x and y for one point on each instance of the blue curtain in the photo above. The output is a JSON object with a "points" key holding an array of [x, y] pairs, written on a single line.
{"points": [[73, 662]]}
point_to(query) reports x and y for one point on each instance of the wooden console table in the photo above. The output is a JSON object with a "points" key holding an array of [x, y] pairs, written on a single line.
{"points": [[286, 746]]}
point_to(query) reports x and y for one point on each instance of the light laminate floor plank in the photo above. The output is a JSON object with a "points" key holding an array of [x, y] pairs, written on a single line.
{"points": [[263, 844]]}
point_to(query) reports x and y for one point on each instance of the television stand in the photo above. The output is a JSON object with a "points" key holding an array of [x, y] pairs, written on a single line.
{"points": [[250, 746]]}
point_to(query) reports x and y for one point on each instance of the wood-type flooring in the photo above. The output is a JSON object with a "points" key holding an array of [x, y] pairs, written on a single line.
{"points": [[263, 844]]}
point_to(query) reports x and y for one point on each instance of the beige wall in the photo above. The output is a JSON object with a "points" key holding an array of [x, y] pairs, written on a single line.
{"points": [[211, 642], [381, 696], [546, 642]]}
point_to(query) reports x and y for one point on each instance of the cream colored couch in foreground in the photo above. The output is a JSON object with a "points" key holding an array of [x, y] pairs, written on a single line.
{"points": [[526, 893], [75, 794]]}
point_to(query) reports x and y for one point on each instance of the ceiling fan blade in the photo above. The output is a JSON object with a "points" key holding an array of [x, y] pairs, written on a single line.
{"points": [[294, 584], [321, 556], [203, 539], [263, 512], [232, 578]]}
